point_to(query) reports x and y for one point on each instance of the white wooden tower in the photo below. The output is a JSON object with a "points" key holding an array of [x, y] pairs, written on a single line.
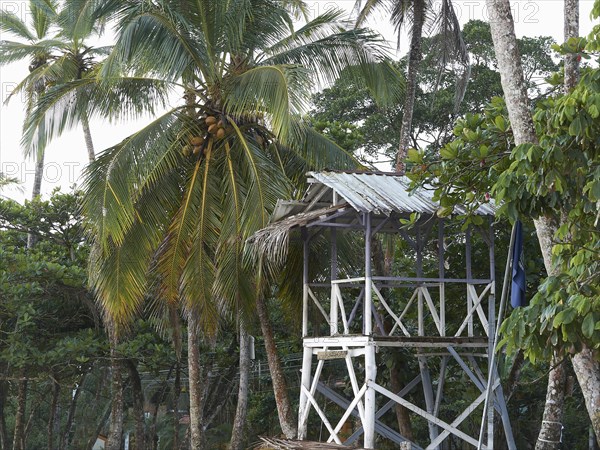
{"points": [[446, 323]]}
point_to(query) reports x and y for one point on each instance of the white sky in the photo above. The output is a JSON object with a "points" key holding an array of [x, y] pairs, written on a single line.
{"points": [[66, 156]]}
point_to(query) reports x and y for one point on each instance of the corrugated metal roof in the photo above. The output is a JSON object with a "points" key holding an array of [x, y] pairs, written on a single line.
{"points": [[380, 193]]}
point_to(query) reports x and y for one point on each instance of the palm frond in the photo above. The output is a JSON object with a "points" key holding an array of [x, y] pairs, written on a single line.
{"points": [[10, 23], [120, 176], [450, 48], [11, 51], [77, 19], [42, 17], [277, 90], [61, 107], [149, 42], [327, 52]]}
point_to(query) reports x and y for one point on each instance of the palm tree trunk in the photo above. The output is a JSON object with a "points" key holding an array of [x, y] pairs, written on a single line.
{"points": [[89, 144], [550, 433], [280, 390], [241, 412], [196, 432], [37, 190], [414, 61], [115, 434], [19, 434], [138, 405]]}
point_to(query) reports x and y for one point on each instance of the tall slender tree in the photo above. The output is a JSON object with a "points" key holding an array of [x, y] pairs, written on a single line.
{"points": [[55, 45], [186, 191], [515, 93], [421, 17]]}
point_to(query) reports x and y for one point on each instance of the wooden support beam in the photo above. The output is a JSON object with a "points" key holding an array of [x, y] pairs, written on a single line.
{"points": [[425, 414]]}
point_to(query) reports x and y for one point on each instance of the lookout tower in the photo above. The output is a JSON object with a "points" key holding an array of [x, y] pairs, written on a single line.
{"points": [[355, 311]]}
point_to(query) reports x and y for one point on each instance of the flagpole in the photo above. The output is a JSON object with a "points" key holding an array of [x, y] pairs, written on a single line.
{"points": [[492, 362]]}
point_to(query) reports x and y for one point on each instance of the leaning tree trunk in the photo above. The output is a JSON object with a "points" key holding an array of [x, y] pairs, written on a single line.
{"points": [[196, 432], [414, 61], [280, 390], [241, 412], [89, 144], [519, 112], [549, 437], [587, 370], [586, 367], [511, 74]]}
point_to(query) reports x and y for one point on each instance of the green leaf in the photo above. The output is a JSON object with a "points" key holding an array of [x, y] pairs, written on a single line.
{"points": [[413, 155], [588, 325], [564, 317], [500, 123]]}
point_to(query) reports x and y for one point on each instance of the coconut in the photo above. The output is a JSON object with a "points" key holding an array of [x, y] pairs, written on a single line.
{"points": [[197, 140], [210, 120], [186, 150], [213, 128], [197, 149], [220, 133]]}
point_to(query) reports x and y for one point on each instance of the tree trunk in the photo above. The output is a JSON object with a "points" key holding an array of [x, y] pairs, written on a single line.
{"points": [[551, 430], [519, 112], [36, 191], [52, 419], [587, 370], [196, 432], [92, 441], [66, 437], [280, 390], [511, 71], [138, 405], [19, 434], [175, 399], [89, 144], [571, 21], [402, 414], [414, 61], [383, 260], [241, 412], [3, 430], [115, 434]]}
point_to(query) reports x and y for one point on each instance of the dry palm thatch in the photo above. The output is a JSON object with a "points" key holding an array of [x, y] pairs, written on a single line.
{"points": [[272, 241]]}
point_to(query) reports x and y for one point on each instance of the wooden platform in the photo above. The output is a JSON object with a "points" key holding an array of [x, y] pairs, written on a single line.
{"points": [[396, 341], [283, 444]]}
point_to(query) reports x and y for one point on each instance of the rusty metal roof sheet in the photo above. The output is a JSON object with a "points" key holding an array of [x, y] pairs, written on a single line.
{"points": [[379, 193]]}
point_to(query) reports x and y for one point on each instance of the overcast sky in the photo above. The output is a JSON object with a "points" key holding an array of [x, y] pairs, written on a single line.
{"points": [[66, 156]]}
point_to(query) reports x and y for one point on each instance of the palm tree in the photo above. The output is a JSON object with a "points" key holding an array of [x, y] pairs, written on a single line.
{"points": [[34, 46], [186, 191], [450, 48], [55, 45]]}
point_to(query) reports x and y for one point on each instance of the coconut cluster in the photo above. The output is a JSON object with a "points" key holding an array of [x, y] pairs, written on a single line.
{"points": [[211, 126]]}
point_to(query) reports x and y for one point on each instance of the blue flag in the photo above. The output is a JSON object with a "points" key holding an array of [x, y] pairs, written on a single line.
{"points": [[517, 294]]}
